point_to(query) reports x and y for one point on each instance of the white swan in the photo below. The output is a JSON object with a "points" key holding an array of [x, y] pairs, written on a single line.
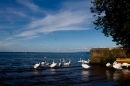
{"points": [[53, 64], [63, 60], [60, 64], [67, 63], [108, 64], [117, 66], [43, 63], [85, 61], [36, 65], [125, 65], [80, 60], [85, 65], [47, 63]]}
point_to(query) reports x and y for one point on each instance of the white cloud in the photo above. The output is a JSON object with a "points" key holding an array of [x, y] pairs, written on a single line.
{"points": [[83, 49], [9, 38], [66, 19], [20, 13], [3, 43], [12, 12], [79, 49], [71, 16], [5, 27], [29, 5]]}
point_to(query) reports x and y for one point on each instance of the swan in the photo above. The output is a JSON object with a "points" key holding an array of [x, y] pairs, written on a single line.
{"points": [[108, 64], [85, 65], [86, 61], [67, 63], [117, 66], [43, 63], [37, 65], [53, 64], [47, 63], [80, 60], [63, 60], [60, 64], [125, 65]]}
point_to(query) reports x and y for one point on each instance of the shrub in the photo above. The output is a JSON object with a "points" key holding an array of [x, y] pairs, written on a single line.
{"points": [[105, 60]]}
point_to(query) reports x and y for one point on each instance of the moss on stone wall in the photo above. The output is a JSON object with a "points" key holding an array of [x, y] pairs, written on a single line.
{"points": [[97, 54]]}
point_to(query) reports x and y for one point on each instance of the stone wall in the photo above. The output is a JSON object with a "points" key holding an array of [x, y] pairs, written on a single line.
{"points": [[96, 54]]}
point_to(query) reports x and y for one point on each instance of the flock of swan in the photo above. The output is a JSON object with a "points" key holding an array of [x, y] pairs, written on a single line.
{"points": [[117, 65], [85, 64]]}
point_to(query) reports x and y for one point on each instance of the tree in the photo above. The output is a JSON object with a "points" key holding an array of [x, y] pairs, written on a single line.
{"points": [[113, 17]]}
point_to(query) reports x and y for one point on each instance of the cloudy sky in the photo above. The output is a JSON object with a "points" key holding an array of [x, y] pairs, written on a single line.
{"points": [[49, 26]]}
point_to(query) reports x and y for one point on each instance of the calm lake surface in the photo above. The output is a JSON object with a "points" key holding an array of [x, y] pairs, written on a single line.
{"points": [[16, 69]]}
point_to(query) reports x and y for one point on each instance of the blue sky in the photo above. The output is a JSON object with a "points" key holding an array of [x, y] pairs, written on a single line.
{"points": [[49, 26]]}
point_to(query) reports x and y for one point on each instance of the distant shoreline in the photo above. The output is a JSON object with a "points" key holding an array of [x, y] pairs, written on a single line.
{"points": [[45, 52]]}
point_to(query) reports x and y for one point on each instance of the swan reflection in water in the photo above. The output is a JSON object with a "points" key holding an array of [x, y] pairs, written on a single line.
{"points": [[117, 75], [108, 74], [37, 72], [123, 74], [126, 74], [53, 71], [85, 75], [113, 75]]}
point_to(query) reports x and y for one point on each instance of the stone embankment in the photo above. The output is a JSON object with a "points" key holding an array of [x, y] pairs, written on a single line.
{"points": [[96, 54]]}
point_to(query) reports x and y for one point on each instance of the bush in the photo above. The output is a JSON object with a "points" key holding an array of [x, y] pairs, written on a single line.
{"points": [[105, 60]]}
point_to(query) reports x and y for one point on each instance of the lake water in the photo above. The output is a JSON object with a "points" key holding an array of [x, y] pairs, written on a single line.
{"points": [[16, 69]]}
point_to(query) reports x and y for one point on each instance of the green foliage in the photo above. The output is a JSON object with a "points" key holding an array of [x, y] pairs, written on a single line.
{"points": [[105, 60], [128, 54], [113, 17]]}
